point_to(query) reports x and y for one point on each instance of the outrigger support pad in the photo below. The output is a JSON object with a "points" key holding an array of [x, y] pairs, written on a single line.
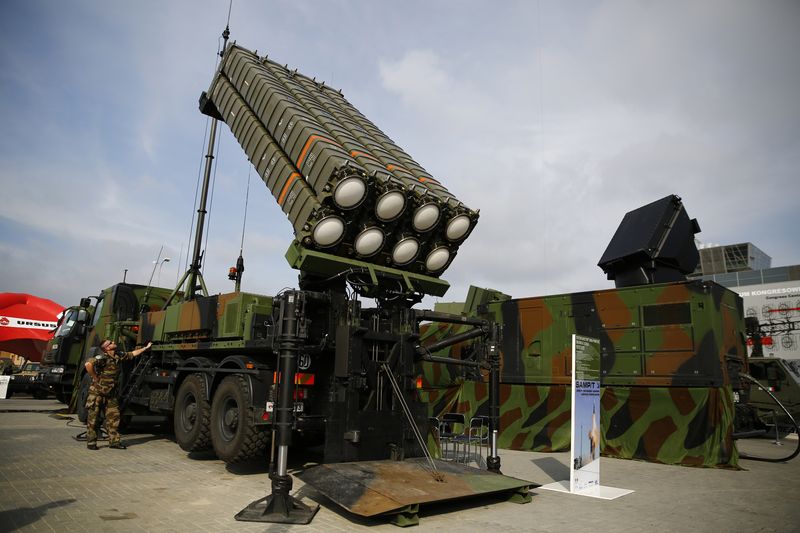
{"points": [[280, 507]]}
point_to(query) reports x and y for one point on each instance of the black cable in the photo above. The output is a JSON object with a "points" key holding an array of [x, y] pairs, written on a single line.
{"points": [[246, 202], [796, 428]]}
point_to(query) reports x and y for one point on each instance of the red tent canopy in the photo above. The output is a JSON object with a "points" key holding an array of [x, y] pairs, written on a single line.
{"points": [[26, 324]]}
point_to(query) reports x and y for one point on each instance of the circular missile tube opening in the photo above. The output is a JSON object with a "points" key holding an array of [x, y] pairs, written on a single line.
{"points": [[426, 217], [405, 251], [369, 242], [390, 205], [457, 227], [437, 259], [328, 231], [350, 192]]}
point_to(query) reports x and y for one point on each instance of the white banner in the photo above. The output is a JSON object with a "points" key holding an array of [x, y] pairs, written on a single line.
{"points": [[585, 449], [14, 322]]}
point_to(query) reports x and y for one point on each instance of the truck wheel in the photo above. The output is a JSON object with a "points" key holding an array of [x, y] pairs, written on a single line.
{"points": [[62, 397], [191, 417], [233, 434], [83, 393]]}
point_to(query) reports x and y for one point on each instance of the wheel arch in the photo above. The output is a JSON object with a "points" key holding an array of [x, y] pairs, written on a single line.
{"points": [[197, 365], [236, 362]]}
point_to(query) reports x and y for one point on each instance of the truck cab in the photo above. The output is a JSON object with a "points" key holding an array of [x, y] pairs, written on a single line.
{"points": [[64, 350], [83, 326]]}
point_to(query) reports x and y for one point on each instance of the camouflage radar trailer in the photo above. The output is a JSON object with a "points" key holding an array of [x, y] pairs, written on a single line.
{"points": [[673, 353], [238, 371]]}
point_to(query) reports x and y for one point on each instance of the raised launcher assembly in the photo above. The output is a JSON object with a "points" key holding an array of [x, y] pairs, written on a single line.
{"points": [[653, 244], [365, 215], [355, 199]]}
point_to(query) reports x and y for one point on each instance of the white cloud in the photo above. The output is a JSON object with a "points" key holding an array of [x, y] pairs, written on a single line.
{"points": [[554, 121]]}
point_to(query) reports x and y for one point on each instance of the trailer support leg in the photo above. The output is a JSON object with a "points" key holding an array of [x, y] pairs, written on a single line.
{"points": [[280, 506], [407, 516], [520, 495]]}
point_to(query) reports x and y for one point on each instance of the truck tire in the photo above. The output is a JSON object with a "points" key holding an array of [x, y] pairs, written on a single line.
{"points": [[83, 393], [234, 436], [192, 414]]}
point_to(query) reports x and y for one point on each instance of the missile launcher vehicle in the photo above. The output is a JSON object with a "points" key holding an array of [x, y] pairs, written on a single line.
{"points": [[235, 372]]}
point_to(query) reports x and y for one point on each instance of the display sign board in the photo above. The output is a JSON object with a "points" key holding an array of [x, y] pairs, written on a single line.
{"points": [[584, 467], [585, 454], [4, 380]]}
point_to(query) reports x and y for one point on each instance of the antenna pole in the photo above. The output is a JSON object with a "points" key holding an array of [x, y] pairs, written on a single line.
{"points": [[227, 31], [197, 257], [194, 275]]}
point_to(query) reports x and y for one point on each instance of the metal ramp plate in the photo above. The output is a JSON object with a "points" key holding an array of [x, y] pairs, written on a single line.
{"points": [[371, 488]]}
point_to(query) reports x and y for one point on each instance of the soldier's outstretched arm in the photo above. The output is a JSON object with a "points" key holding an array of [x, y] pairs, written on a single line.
{"points": [[136, 353]]}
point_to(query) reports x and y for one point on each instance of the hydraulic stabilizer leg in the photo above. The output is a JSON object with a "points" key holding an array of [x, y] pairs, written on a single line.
{"points": [[281, 506], [493, 349]]}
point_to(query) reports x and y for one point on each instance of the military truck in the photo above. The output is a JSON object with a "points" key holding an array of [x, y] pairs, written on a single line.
{"points": [[781, 378], [237, 370], [26, 381], [368, 221]]}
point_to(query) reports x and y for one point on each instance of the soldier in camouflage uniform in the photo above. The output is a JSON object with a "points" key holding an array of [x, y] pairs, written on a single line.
{"points": [[104, 370]]}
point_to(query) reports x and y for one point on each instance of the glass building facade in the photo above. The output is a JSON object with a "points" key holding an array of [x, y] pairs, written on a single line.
{"points": [[754, 277], [731, 258]]}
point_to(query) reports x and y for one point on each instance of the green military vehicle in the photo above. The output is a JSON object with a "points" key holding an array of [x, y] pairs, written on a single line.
{"points": [[775, 400], [233, 371], [781, 379], [27, 381]]}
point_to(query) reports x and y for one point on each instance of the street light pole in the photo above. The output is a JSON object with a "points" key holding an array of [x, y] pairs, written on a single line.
{"points": [[165, 260]]}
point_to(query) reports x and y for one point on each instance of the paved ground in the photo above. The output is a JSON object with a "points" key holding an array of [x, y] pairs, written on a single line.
{"points": [[50, 482]]}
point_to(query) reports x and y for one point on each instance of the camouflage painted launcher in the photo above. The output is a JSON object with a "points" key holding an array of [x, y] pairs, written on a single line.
{"points": [[347, 189]]}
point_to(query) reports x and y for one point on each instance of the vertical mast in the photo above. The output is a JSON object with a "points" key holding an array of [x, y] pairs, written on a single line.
{"points": [[195, 273], [193, 276]]}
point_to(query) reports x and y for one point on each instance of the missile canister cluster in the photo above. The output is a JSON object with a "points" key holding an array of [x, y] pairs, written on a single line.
{"points": [[347, 189]]}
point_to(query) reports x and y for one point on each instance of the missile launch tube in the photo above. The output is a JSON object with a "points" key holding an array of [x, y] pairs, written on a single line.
{"points": [[347, 190]]}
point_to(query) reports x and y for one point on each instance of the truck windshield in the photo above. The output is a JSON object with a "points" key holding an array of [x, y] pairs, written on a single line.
{"points": [[794, 369], [98, 310], [67, 323]]}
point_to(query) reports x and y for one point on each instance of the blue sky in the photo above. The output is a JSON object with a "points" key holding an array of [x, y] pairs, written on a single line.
{"points": [[552, 118]]}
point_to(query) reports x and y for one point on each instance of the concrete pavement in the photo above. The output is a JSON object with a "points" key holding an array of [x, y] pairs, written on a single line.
{"points": [[50, 482]]}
